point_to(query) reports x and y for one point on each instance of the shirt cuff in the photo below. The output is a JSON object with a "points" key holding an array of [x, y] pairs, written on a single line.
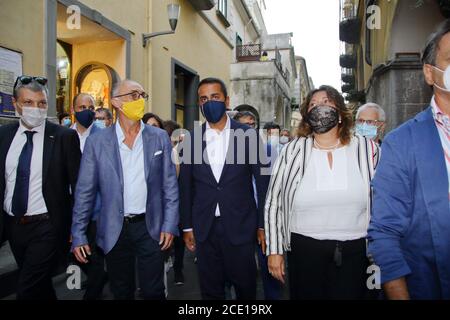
{"points": [[188, 230]]}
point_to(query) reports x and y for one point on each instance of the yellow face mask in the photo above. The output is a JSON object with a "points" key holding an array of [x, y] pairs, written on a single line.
{"points": [[134, 110]]}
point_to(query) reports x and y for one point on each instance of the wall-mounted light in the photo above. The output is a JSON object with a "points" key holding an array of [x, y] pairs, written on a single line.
{"points": [[173, 11]]}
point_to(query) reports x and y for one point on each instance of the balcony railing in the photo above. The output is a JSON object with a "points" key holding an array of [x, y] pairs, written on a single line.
{"points": [[348, 75], [347, 58], [350, 24], [248, 52]]}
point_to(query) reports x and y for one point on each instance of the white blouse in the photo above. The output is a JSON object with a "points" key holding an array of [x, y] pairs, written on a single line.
{"points": [[331, 203]]}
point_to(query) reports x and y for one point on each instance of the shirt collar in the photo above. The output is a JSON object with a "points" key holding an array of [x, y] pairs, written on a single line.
{"points": [[121, 135], [87, 132], [40, 129]]}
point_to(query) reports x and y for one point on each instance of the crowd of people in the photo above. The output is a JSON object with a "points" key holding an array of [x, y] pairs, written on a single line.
{"points": [[314, 208]]}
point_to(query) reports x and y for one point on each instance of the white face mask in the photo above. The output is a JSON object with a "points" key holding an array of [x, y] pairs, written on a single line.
{"points": [[33, 117], [284, 139], [446, 78]]}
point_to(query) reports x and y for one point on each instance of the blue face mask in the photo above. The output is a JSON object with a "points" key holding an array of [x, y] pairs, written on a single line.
{"points": [[100, 124], [67, 122], [367, 130], [213, 111], [85, 117]]}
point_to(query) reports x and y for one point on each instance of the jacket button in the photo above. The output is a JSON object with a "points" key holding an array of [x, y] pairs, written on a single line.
{"points": [[219, 189]]}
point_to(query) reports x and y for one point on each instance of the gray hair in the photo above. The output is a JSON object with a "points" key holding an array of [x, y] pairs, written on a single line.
{"points": [[430, 51], [80, 95], [106, 111], [371, 105], [33, 86], [116, 87]]}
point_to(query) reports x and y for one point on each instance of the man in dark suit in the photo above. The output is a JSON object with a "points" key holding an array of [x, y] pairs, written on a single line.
{"points": [[220, 218], [39, 164]]}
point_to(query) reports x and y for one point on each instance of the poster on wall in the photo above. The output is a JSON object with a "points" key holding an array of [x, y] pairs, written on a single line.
{"points": [[10, 69]]}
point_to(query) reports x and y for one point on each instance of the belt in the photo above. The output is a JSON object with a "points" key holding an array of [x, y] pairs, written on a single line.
{"points": [[134, 218], [31, 219]]}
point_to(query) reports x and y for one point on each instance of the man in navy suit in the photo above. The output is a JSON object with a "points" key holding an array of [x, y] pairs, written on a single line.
{"points": [[220, 218], [130, 165]]}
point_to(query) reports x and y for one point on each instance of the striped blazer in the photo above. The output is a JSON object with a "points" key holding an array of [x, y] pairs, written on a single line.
{"points": [[288, 172]]}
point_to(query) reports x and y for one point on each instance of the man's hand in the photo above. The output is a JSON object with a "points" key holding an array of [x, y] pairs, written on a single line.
{"points": [[81, 253], [189, 240], [261, 238], [165, 239], [396, 289], [276, 266]]}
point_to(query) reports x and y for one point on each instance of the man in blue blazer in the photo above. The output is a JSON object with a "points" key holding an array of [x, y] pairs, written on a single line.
{"points": [[409, 235], [220, 218], [130, 165]]}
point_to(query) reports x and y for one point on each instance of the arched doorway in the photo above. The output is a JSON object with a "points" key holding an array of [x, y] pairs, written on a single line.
{"points": [[96, 79], [246, 107]]}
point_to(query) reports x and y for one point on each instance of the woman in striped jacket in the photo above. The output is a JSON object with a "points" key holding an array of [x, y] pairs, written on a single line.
{"points": [[318, 203]]}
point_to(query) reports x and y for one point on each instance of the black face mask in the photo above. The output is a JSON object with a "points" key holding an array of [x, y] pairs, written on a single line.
{"points": [[322, 118]]}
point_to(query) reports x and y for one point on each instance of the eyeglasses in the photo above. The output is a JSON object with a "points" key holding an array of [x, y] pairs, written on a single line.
{"points": [[135, 95], [28, 79], [369, 122]]}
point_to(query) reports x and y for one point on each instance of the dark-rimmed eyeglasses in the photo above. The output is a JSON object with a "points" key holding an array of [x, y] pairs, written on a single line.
{"points": [[28, 79], [135, 95]]}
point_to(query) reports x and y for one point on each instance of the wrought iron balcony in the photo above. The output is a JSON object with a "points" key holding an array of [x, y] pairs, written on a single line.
{"points": [[249, 52], [356, 96], [346, 88], [350, 24], [348, 75], [347, 59]]}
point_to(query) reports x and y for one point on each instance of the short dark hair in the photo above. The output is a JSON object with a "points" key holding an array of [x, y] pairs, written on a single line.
{"points": [[106, 111], [63, 115], [271, 125], [429, 53], [223, 87], [243, 114], [150, 115], [170, 126]]}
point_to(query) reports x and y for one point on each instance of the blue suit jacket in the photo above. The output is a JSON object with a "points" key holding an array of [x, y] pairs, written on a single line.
{"points": [[200, 192], [101, 171], [409, 234]]}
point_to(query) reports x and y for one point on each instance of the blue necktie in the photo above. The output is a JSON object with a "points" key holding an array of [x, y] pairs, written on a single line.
{"points": [[20, 196]]}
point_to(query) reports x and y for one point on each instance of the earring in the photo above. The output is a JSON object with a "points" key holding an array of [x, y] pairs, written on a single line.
{"points": [[340, 120]]}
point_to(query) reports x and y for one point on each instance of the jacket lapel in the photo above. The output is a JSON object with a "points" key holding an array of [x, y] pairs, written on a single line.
{"points": [[148, 140], [205, 160], [113, 153], [49, 141]]}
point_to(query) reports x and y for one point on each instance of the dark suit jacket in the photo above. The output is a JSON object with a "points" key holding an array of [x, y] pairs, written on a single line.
{"points": [[61, 162], [200, 192]]}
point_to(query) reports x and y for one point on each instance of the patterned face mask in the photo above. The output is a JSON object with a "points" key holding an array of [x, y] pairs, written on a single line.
{"points": [[322, 118]]}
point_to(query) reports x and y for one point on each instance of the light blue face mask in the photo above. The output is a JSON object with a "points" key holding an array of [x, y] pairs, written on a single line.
{"points": [[367, 130], [67, 122], [100, 124]]}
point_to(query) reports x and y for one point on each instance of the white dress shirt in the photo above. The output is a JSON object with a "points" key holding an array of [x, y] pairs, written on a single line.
{"points": [[36, 203], [135, 186], [83, 137], [216, 148]]}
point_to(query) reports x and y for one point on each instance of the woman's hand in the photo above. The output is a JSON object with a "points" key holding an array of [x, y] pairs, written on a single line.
{"points": [[276, 266]]}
